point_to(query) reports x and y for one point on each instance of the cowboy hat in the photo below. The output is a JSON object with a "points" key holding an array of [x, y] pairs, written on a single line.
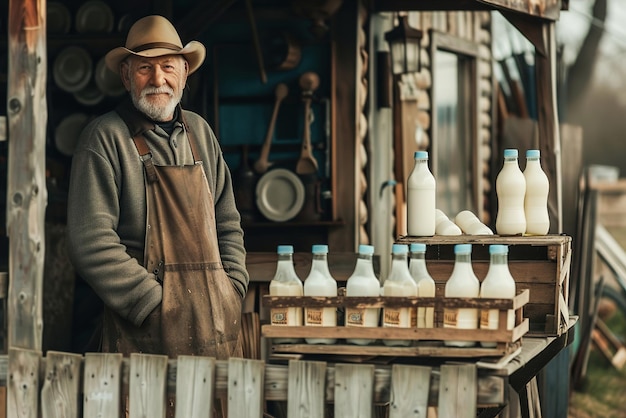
{"points": [[155, 36]]}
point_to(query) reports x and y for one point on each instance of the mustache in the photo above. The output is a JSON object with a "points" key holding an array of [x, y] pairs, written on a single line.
{"points": [[157, 90]]}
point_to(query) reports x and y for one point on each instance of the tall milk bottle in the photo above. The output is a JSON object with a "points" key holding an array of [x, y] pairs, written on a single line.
{"points": [[462, 283], [536, 199], [425, 283], [510, 190], [363, 282], [420, 202], [399, 283], [286, 283], [498, 283], [320, 282]]}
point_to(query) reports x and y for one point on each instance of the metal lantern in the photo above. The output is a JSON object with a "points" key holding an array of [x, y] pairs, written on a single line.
{"points": [[404, 45]]}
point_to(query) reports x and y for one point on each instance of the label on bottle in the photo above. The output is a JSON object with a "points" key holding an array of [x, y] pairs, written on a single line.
{"points": [[355, 317], [279, 316], [450, 318], [314, 316], [391, 318]]}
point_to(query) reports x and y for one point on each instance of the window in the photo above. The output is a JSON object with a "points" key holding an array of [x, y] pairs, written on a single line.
{"points": [[455, 144]]}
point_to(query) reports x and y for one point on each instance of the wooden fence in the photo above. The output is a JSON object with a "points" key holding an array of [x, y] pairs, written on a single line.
{"points": [[94, 385]]}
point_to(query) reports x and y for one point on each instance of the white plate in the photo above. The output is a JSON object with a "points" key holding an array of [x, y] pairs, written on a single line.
{"points": [[58, 18], [107, 81], [67, 132], [279, 194], [72, 69], [94, 16]]}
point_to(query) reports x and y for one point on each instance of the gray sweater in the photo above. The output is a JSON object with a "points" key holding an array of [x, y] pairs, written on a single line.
{"points": [[107, 207]]}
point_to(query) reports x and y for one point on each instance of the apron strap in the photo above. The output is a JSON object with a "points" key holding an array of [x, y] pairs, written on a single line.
{"points": [[146, 157]]}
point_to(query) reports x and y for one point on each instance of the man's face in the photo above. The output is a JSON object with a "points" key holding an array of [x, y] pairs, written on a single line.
{"points": [[155, 84]]}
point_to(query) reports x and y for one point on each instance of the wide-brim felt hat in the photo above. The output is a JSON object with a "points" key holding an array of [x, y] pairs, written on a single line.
{"points": [[155, 36]]}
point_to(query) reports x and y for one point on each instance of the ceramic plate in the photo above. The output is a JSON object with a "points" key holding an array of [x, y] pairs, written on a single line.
{"points": [[107, 81], [67, 132], [94, 16], [72, 69], [58, 18], [279, 194]]}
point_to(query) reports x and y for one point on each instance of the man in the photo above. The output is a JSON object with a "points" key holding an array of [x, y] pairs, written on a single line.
{"points": [[152, 222]]}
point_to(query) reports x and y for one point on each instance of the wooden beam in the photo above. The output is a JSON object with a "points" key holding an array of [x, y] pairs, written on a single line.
{"points": [[26, 187]]}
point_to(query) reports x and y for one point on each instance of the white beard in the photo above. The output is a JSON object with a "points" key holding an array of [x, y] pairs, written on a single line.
{"points": [[153, 111]]}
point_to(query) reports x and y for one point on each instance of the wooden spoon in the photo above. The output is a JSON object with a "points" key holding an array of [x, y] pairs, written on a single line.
{"points": [[307, 164], [262, 164]]}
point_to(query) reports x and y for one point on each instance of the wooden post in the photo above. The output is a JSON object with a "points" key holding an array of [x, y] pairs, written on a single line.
{"points": [[26, 187]]}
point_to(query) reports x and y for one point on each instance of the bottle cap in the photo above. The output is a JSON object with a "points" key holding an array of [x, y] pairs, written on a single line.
{"points": [[463, 249], [399, 249], [417, 247], [533, 153], [366, 249], [421, 155], [285, 249], [319, 249], [498, 249], [510, 153]]}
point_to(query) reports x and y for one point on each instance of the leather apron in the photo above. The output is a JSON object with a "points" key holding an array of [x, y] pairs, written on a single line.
{"points": [[200, 313]]}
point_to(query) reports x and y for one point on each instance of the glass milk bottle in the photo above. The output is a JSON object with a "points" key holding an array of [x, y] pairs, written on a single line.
{"points": [[498, 283], [536, 198], [444, 226], [362, 282], [399, 283], [420, 203], [286, 283], [462, 283], [320, 282], [425, 283], [510, 190], [470, 224]]}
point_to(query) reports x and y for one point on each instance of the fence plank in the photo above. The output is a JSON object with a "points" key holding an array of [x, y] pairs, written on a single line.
{"points": [[457, 391], [195, 383], [61, 387], [245, 387], [102, 385], [410, 386], [148, 374], [306, 389], [23, 383], [354, 390]]}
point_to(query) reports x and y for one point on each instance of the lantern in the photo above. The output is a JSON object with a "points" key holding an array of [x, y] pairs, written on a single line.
{"points": [[404, 45]]}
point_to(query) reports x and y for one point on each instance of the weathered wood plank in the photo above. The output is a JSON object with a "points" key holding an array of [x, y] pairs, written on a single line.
{"points": [[354, 390], [410, 386], [245, 387], [195, 383], [148, 373], [26, 186], [457, 390], [102, 385], [23, 383], [60, 393], [306, 390]]}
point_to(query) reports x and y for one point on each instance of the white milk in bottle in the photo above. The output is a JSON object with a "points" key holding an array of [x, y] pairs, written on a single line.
{"points": [[498, 283], [320, 282], [363, 282], [536, 199], [470, 224], [286, 283], [444, 226], [399, 283], [510, 190], [420, 202], [425, 283], [462, 283]]}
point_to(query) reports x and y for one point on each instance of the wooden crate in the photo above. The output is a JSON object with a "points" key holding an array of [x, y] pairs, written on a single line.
{"points": [[540, 264], [428, 342]]}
